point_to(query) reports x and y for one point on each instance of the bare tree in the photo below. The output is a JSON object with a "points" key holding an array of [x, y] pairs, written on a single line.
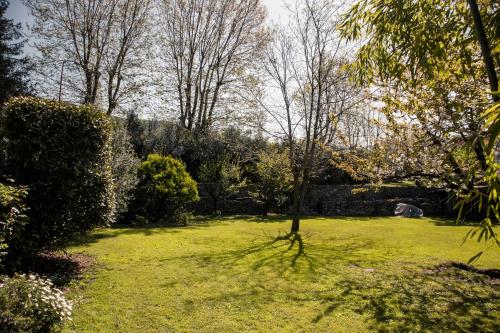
{"points": [[210, 48], [305, 68], [92, 48]]}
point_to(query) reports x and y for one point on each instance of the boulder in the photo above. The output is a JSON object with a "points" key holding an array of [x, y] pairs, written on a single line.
{"points": [[407, 210]]}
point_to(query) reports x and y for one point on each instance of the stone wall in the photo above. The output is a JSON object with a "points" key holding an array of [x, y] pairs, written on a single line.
{"points": [[342, 200], [351, 200]]}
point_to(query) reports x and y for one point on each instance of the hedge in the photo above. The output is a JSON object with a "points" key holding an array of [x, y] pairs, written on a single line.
{"points": [[61, 152]]}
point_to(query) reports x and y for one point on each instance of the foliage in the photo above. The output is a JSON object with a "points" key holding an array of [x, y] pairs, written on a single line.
{"points": [[13, 66], [400, 39], [344, 275], [222, 178], [164, 187], [124, 166], [29, 303], [488, 193], [164, 137], [62, 153], [13, 219], [275, 178], [436, 82]]}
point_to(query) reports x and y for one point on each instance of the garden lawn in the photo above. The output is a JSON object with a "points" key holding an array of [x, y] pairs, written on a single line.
{"points": [[248, 275]]}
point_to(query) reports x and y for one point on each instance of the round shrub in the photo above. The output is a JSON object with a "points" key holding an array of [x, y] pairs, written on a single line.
{"points": [[29, 303], [164, 188], [62, 152]]}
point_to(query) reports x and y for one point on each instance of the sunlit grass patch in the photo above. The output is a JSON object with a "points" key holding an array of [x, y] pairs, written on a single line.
{"points": [[250, 274]]}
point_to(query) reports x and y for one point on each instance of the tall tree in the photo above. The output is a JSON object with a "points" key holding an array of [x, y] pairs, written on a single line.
{"points": [[210, 49], [94, 49], [13, 65], [305, 65]]}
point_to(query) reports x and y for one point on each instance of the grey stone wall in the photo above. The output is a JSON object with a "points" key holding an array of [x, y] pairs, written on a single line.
{"points": [[342, 200], [352, 200]]}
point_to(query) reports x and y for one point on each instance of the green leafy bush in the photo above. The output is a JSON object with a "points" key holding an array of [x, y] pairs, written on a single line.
{"points": [[165, 187], [62, 152], [13, 219], [31, 304]]}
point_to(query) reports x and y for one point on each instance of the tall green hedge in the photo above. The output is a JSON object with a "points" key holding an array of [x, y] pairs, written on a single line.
{"points": [[62, 153]]}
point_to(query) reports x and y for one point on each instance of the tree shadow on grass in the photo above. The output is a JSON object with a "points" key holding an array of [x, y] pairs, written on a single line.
{"points": [[121, 230], [286, 253], [421, 301], [451, 222]]}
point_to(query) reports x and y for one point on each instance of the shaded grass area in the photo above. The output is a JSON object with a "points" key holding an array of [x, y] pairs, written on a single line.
{"points": [[250, 274]]}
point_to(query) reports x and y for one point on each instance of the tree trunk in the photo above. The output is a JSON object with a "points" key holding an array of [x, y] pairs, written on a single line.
{"points": [[485, 48], [266, 209], [295, 223], [297, 205], [215, 206]]}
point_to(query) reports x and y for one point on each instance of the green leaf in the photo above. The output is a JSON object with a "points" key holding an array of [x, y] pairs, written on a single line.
{"points": [[474, 258]]}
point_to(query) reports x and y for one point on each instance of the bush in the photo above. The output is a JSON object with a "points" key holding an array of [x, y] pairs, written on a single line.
{"points": [[124, 167], [13, 220], [164, 188], [62, 152], [32, 304]]}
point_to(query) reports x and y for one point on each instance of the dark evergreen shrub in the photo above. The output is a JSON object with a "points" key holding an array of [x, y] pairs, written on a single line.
{"points": [[62, 153]]}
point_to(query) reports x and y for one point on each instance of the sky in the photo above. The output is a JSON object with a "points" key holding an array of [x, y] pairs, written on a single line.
{"points": [[276, 10], [17, 11]]}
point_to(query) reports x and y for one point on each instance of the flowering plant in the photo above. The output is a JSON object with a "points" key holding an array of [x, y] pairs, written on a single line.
{"points": [[29, 303]]}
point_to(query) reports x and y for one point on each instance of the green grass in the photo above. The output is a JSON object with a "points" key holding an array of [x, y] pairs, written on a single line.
{"points": [[247, 275]]}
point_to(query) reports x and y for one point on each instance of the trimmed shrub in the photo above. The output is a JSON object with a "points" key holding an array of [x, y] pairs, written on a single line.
{"points": [[165, 187], [62, 152], [32, 304], [13, 220]]}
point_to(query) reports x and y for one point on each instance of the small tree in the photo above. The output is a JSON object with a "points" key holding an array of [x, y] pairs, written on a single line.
{"points": [[222, 178], [165, 187], [275, 179], [124, 166]]}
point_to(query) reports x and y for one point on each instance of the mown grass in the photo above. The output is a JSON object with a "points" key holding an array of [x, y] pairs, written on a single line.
{"points": [[249, 275]]}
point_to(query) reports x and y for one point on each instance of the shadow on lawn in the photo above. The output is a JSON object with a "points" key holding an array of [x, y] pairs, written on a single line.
{"points": [[287, 253], [429, 301], [451, 222]]}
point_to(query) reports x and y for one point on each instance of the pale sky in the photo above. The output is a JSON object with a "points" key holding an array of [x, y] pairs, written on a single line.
{"points": [[18, 12]]}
